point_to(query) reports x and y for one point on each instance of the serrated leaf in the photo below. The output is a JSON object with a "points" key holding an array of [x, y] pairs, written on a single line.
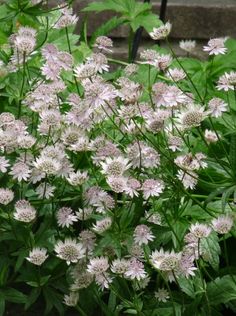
{"points": [[211, 248], [107, 27], [221, 290]]}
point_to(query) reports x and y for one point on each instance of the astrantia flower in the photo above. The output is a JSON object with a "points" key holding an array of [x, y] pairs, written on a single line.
{"points": [[84, 213], [26, 141], [222, 224], [176, 74], [4, 164], [24, 212], [161, 32], [165, 261], [71, 299], [47, 165], [216, 46], [191, 116], [187, 45], [119, 266], [69, 250], [175, 143], [20, 171], [210, 136], [77, 178], [118, 184], [200, 230], [135, 270], [224, 84], [37, 256], [115, 166], [142, 235], [66, 19], [103, 280], [104, 43], [6, 196], [65, 217], [102, 225], [87, 238], [152, 187], [162, 295], [189, 179], [217, 106], [98, 265]]}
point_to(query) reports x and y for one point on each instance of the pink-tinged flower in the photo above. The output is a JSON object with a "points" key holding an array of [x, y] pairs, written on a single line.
{"points": [[187, 45], [210, 136], [102, 225], [6, 196], [161, 32], [24, 212], [4, 164], [216, 46], [37, 256], [104, 43], [192, 116], [65, 217], [142, 235], [152, 187], [99, 61], [20, 171], [135, 270], [77, 178], [175, 143], [133, 186], [200, 230], [189, 179], [45, 190], [69, 250], [222, 224], [217, 106], [87, 238], [98, 265], [176, 74], [103, 280], [118, 184]]}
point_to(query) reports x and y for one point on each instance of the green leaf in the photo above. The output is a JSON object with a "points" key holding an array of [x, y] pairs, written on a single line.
{"points": [[31, 299], [2, 304], [107, 27], [221, 290], [147, 19], [14, 296], [211, 248]]}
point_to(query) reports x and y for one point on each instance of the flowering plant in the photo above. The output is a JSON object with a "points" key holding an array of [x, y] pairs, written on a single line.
{"points": [[117, 187]]}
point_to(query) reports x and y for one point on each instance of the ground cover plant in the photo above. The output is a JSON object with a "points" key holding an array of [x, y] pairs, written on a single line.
{"points": [[117, 190]]}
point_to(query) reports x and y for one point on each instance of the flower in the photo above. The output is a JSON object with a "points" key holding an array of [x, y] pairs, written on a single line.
{"points": [[102, 225], [142, 235], [176, 74], [189, 179], [24, 211], [161, 32], [216, 46], [4, 164], [222, 224], [37, 256], [119, 266], [165, 261], [77, 178], [115, 166], [210, 136], [192, 116], [187, 45], [118, 184], [45, 190], [20, 171], [200, 230], [71, 299], [6, 196], [48, 165], [162, 295], [65, 217], [69, 250], [98, 265], [152, 187], [217, 106], [135, 270], [104, 43]]}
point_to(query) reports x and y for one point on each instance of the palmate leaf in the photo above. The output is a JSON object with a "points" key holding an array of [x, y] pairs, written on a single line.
{"points": [[212, 250], [147, 19], [222, 290], [107, 27]]}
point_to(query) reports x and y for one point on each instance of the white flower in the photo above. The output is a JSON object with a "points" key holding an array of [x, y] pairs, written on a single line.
{"points": [[161, 32], [37, 256], [71, 299], [4, 164], [69, 250], [165, 261], [217, 106], [152, 187], [135, 270], [189, 179], [200, 230], [24, 211], [6, 196], [115, 166], [65, 217], [187, 45], [98, 265], [142, 235], [222, 224], [216, 46], [162, 295]]}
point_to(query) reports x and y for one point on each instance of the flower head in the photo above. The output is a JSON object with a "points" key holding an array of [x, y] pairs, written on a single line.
{"points": [[37, 256], [69, 250]]}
